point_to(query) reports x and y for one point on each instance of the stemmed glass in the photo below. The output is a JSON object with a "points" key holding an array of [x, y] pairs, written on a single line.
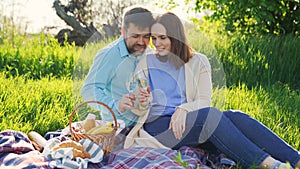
{"points": [[142, 80], [131, 83]]}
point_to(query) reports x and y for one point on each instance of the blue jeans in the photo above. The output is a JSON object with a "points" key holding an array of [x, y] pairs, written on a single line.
{"points": [[234, 133]]}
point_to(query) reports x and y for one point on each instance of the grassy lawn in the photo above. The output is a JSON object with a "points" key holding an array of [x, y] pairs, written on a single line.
{"points": [[40, 84]]}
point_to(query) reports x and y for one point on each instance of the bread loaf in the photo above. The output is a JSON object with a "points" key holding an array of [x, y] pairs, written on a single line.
{"points": [[78, 150]]}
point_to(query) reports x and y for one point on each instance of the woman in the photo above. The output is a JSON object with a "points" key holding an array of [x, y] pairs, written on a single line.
{"points": [[180, 83]]}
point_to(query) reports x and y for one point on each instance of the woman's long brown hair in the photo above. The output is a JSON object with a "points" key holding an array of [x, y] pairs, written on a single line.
{"points": [[175, 31]]}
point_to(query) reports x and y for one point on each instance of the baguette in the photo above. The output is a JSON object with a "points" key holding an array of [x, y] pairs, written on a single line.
{"points": [[38, 140]]}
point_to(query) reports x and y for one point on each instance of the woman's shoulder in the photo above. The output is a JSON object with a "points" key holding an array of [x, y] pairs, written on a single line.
{"points": [[199, 58]]}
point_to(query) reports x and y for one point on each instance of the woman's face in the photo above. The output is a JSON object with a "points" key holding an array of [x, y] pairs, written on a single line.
{"points": [[160, 39]]}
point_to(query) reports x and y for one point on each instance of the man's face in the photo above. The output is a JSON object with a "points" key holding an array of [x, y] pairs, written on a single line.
{"points": [[137, 39]]}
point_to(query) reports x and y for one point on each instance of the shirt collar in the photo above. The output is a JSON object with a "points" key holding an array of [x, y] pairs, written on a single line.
{"points": [[123, 49]]}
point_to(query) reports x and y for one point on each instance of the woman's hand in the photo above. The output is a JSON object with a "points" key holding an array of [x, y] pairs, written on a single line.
{"points": [[143, 97], [177, 123]]}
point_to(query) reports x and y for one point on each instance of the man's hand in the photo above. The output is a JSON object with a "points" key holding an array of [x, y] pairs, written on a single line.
{"points": [[177, 123], [126, 102]]}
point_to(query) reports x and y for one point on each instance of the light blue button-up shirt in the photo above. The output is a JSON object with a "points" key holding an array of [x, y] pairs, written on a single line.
{"points": [[106, 80]]}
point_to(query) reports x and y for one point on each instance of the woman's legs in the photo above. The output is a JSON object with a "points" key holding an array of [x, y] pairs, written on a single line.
{"points": [[211, 124], [263, 137], [229, 139]]}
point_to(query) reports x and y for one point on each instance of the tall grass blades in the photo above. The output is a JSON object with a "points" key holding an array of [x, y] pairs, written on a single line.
{"points": [[261, 60], [40, 56], [276, 106], [43, 105]]}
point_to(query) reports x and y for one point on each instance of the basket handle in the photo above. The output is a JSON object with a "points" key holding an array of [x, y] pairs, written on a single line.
{"points": [[93, 101]]}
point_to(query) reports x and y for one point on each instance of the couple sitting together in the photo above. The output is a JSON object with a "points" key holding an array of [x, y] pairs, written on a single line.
{"points": [[174, 111]]}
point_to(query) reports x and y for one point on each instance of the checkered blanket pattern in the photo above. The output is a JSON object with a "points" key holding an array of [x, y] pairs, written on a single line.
{"points": [[149, 158], [17, 151]]}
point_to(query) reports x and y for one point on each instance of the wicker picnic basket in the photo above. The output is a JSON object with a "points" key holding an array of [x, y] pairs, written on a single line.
{"points": [[106, 141]]}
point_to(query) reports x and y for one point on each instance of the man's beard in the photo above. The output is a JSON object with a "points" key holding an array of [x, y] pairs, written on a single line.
{"points": [[134, 52]]}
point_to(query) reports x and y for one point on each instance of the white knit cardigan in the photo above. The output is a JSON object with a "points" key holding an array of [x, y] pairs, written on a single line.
{"points": [[198, 92]]}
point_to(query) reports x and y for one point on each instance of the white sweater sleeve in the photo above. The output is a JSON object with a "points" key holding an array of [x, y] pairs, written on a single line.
{"points": [[198, 83]]}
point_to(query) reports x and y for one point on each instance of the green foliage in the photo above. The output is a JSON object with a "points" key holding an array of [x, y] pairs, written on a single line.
{"points": [[9, 29], [201, 43], [43, 105], [255, 16], [81, 9], [252, 60], [262, 60], [179, 160], [38, 57], [171, 4], [86, 56]]}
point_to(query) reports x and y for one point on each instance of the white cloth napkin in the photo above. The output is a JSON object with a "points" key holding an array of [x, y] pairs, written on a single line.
{"points": [[64, 157]]}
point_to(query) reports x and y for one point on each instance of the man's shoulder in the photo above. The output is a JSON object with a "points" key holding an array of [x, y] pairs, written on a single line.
{"points": [[111, 49]]}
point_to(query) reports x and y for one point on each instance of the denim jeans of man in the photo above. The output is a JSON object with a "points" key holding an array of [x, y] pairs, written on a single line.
{"points": [[234, 133]]}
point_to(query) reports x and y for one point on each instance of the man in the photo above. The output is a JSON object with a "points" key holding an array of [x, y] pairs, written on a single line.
{"points": [[106, 80]]}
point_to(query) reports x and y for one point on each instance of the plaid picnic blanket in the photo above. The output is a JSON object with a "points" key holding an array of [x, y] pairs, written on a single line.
{"points": [[150, 158], [17, 151]]}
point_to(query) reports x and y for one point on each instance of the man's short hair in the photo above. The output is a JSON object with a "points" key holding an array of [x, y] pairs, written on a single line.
{"points": [[139, 16]]}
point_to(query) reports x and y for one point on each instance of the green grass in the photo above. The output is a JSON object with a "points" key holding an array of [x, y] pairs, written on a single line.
{"points": [[46, 104], [40, 81], [276, 106], [262, 60], [42, 105], [37, 57]]}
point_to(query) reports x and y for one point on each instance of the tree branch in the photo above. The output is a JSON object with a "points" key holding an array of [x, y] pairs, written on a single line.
{"points": [[70, 20]]}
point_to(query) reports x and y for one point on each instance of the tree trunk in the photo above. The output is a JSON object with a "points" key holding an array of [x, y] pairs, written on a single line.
{"points": [[80, 34]]}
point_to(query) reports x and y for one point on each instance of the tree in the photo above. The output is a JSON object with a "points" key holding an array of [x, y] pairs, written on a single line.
{"points": [[81, 30], [108, 15], [88, 17], [255, 16]]}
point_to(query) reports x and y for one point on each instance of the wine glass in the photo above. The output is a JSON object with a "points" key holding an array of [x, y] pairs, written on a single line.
{"points": [[143, 83], [143, 79], [131, 83]]}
